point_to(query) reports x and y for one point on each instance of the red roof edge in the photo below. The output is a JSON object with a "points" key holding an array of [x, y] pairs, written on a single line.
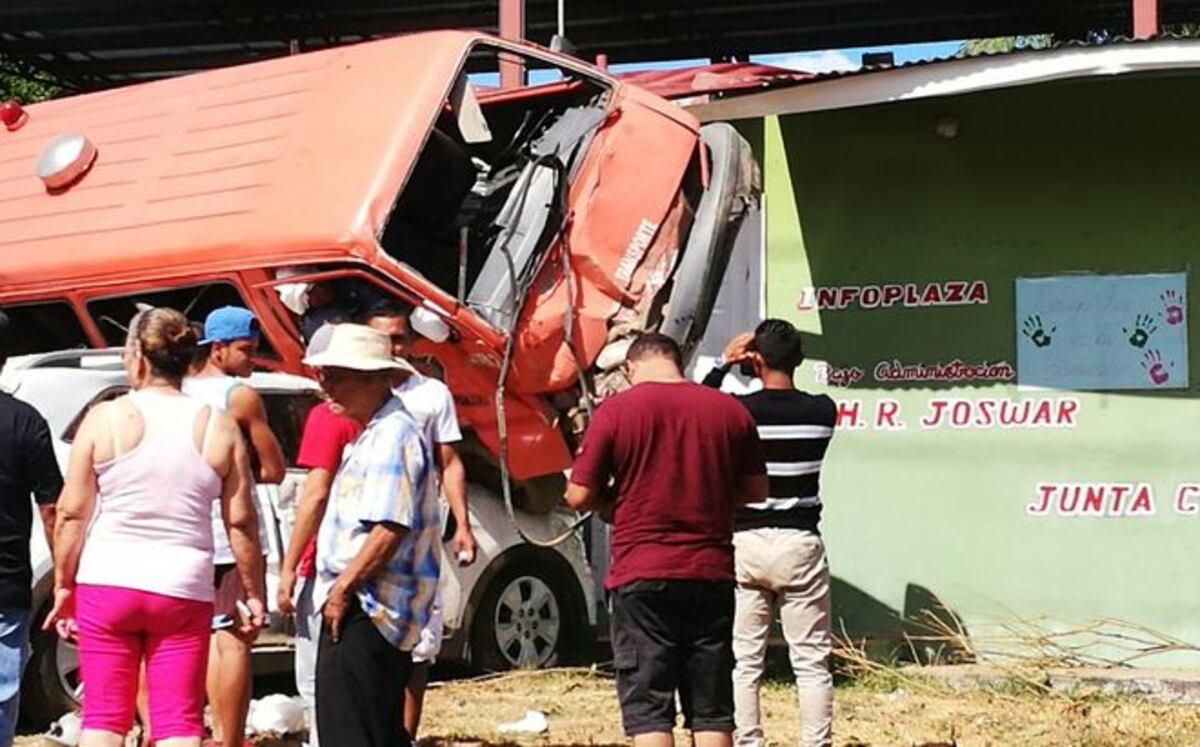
{"points": [[724, 77]]}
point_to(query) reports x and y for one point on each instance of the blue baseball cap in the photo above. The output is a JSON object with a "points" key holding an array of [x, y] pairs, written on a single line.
{"points": [[229, 323]]}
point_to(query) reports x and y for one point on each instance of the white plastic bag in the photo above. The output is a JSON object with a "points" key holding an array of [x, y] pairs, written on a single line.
{"points": [[66, 730], [533, 722], [276, 714]]}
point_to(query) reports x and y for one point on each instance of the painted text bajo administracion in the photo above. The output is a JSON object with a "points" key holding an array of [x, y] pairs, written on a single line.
{"points": [[887, 295]]}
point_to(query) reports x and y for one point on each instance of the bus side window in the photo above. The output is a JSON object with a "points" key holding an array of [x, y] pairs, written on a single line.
{"points": [[43, 327], [113, 314]]}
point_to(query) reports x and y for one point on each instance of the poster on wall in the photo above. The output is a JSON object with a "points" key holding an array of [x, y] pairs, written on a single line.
{"points": [[1102, 331]]}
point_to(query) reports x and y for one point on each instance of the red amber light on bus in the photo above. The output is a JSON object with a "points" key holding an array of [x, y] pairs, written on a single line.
{"points": [[13, 115]]}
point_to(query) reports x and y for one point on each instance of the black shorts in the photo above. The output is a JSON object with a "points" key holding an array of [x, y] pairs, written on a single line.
{"points": [[228, 590], [670, 636]]}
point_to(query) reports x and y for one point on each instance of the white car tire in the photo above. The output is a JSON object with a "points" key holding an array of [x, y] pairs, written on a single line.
{"points": [[530, 614]]}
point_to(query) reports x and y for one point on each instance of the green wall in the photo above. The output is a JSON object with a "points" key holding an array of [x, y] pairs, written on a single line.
{"points": [[1092, 177]]}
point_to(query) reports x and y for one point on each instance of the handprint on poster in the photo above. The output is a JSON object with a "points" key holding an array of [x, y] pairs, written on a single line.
{"points": [[1038, 332], [1172, 312], [1157, 370], [1108, 331], [1141, 330]]}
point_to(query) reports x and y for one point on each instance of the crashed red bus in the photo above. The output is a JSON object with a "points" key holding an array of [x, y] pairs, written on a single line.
{"points": [[537, 229]]}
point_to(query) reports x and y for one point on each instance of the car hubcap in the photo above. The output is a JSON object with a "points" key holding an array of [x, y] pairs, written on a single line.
{"points": [[66, 661], [527, 623]]}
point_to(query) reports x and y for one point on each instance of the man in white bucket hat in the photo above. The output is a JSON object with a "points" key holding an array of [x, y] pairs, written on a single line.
{"points": [[377, 551]]}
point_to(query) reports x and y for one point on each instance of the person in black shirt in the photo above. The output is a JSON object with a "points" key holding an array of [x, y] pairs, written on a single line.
{"points": [[27, 467], [779, 556]]}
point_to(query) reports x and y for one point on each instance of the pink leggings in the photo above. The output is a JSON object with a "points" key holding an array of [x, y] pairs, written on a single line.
{"points": [[119, 627]]}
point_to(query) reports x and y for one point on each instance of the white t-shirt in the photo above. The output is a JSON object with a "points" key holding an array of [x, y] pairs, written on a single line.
{"points": [[430, 403]]}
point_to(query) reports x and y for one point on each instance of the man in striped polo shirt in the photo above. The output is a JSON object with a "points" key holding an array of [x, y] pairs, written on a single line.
{"points": [[779, 557]]}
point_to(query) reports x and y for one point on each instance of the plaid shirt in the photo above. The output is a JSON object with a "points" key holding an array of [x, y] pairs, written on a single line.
{"points": [[386, 475]]}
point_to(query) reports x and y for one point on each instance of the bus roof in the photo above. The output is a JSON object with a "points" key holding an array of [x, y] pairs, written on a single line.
{"points": [[289, 159]]}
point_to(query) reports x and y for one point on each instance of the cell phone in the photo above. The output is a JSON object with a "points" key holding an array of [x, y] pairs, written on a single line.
{"points": [[222, 622], [746, 368]]}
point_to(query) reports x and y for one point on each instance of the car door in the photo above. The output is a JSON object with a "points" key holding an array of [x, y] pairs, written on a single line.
{"points": [[287, 409]]}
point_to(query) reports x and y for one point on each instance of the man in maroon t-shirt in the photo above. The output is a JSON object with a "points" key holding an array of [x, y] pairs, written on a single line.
{"points": [[681, 457]]}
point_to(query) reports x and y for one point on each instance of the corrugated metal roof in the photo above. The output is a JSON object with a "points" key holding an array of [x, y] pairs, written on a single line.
{"points": [[709, 82], [1095, 40], [98, 43], [956, 75]]}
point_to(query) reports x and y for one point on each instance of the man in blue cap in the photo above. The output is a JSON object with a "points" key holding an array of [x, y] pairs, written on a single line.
{"points": [[231, 333]]}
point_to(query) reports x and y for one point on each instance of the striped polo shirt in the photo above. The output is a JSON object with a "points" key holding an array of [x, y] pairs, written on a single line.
{"points": [[794, 428]]}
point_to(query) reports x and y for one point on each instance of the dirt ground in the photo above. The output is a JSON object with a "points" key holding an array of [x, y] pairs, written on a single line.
{"points": [[581, 709]]}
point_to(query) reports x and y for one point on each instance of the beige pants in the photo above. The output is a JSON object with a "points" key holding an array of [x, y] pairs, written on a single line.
{"points": [[785, 568]]}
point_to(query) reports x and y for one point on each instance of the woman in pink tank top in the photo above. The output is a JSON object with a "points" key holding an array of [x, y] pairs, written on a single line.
{"points": [[133, 560]]}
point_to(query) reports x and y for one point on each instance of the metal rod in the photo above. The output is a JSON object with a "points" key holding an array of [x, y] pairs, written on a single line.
{"points": [[562, 18], [463, 234]]}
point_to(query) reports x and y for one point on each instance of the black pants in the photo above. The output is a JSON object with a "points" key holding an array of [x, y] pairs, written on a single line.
{"points": [[671, 636], [360, 685]]}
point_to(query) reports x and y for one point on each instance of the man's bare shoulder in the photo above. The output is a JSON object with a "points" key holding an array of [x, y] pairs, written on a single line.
{"points": [[244, 396]]}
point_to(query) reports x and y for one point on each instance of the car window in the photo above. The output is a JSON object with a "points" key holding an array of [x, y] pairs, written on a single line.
{"points": [[112, 315], [111, 393], [41, 327], [286, 413]]}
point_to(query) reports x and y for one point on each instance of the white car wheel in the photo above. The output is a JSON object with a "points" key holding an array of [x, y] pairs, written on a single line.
{"points": [[527, 623], [66, 663], [530, 613]]}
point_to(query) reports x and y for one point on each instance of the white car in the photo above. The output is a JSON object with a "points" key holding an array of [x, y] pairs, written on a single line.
{"points": [[486, 605]]}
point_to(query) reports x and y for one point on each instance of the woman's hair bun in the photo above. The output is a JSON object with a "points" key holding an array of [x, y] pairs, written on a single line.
{"points": [[166, 339]]}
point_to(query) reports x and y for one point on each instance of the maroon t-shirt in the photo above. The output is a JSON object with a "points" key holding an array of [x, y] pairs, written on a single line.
{"points": [[676, 453]]}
